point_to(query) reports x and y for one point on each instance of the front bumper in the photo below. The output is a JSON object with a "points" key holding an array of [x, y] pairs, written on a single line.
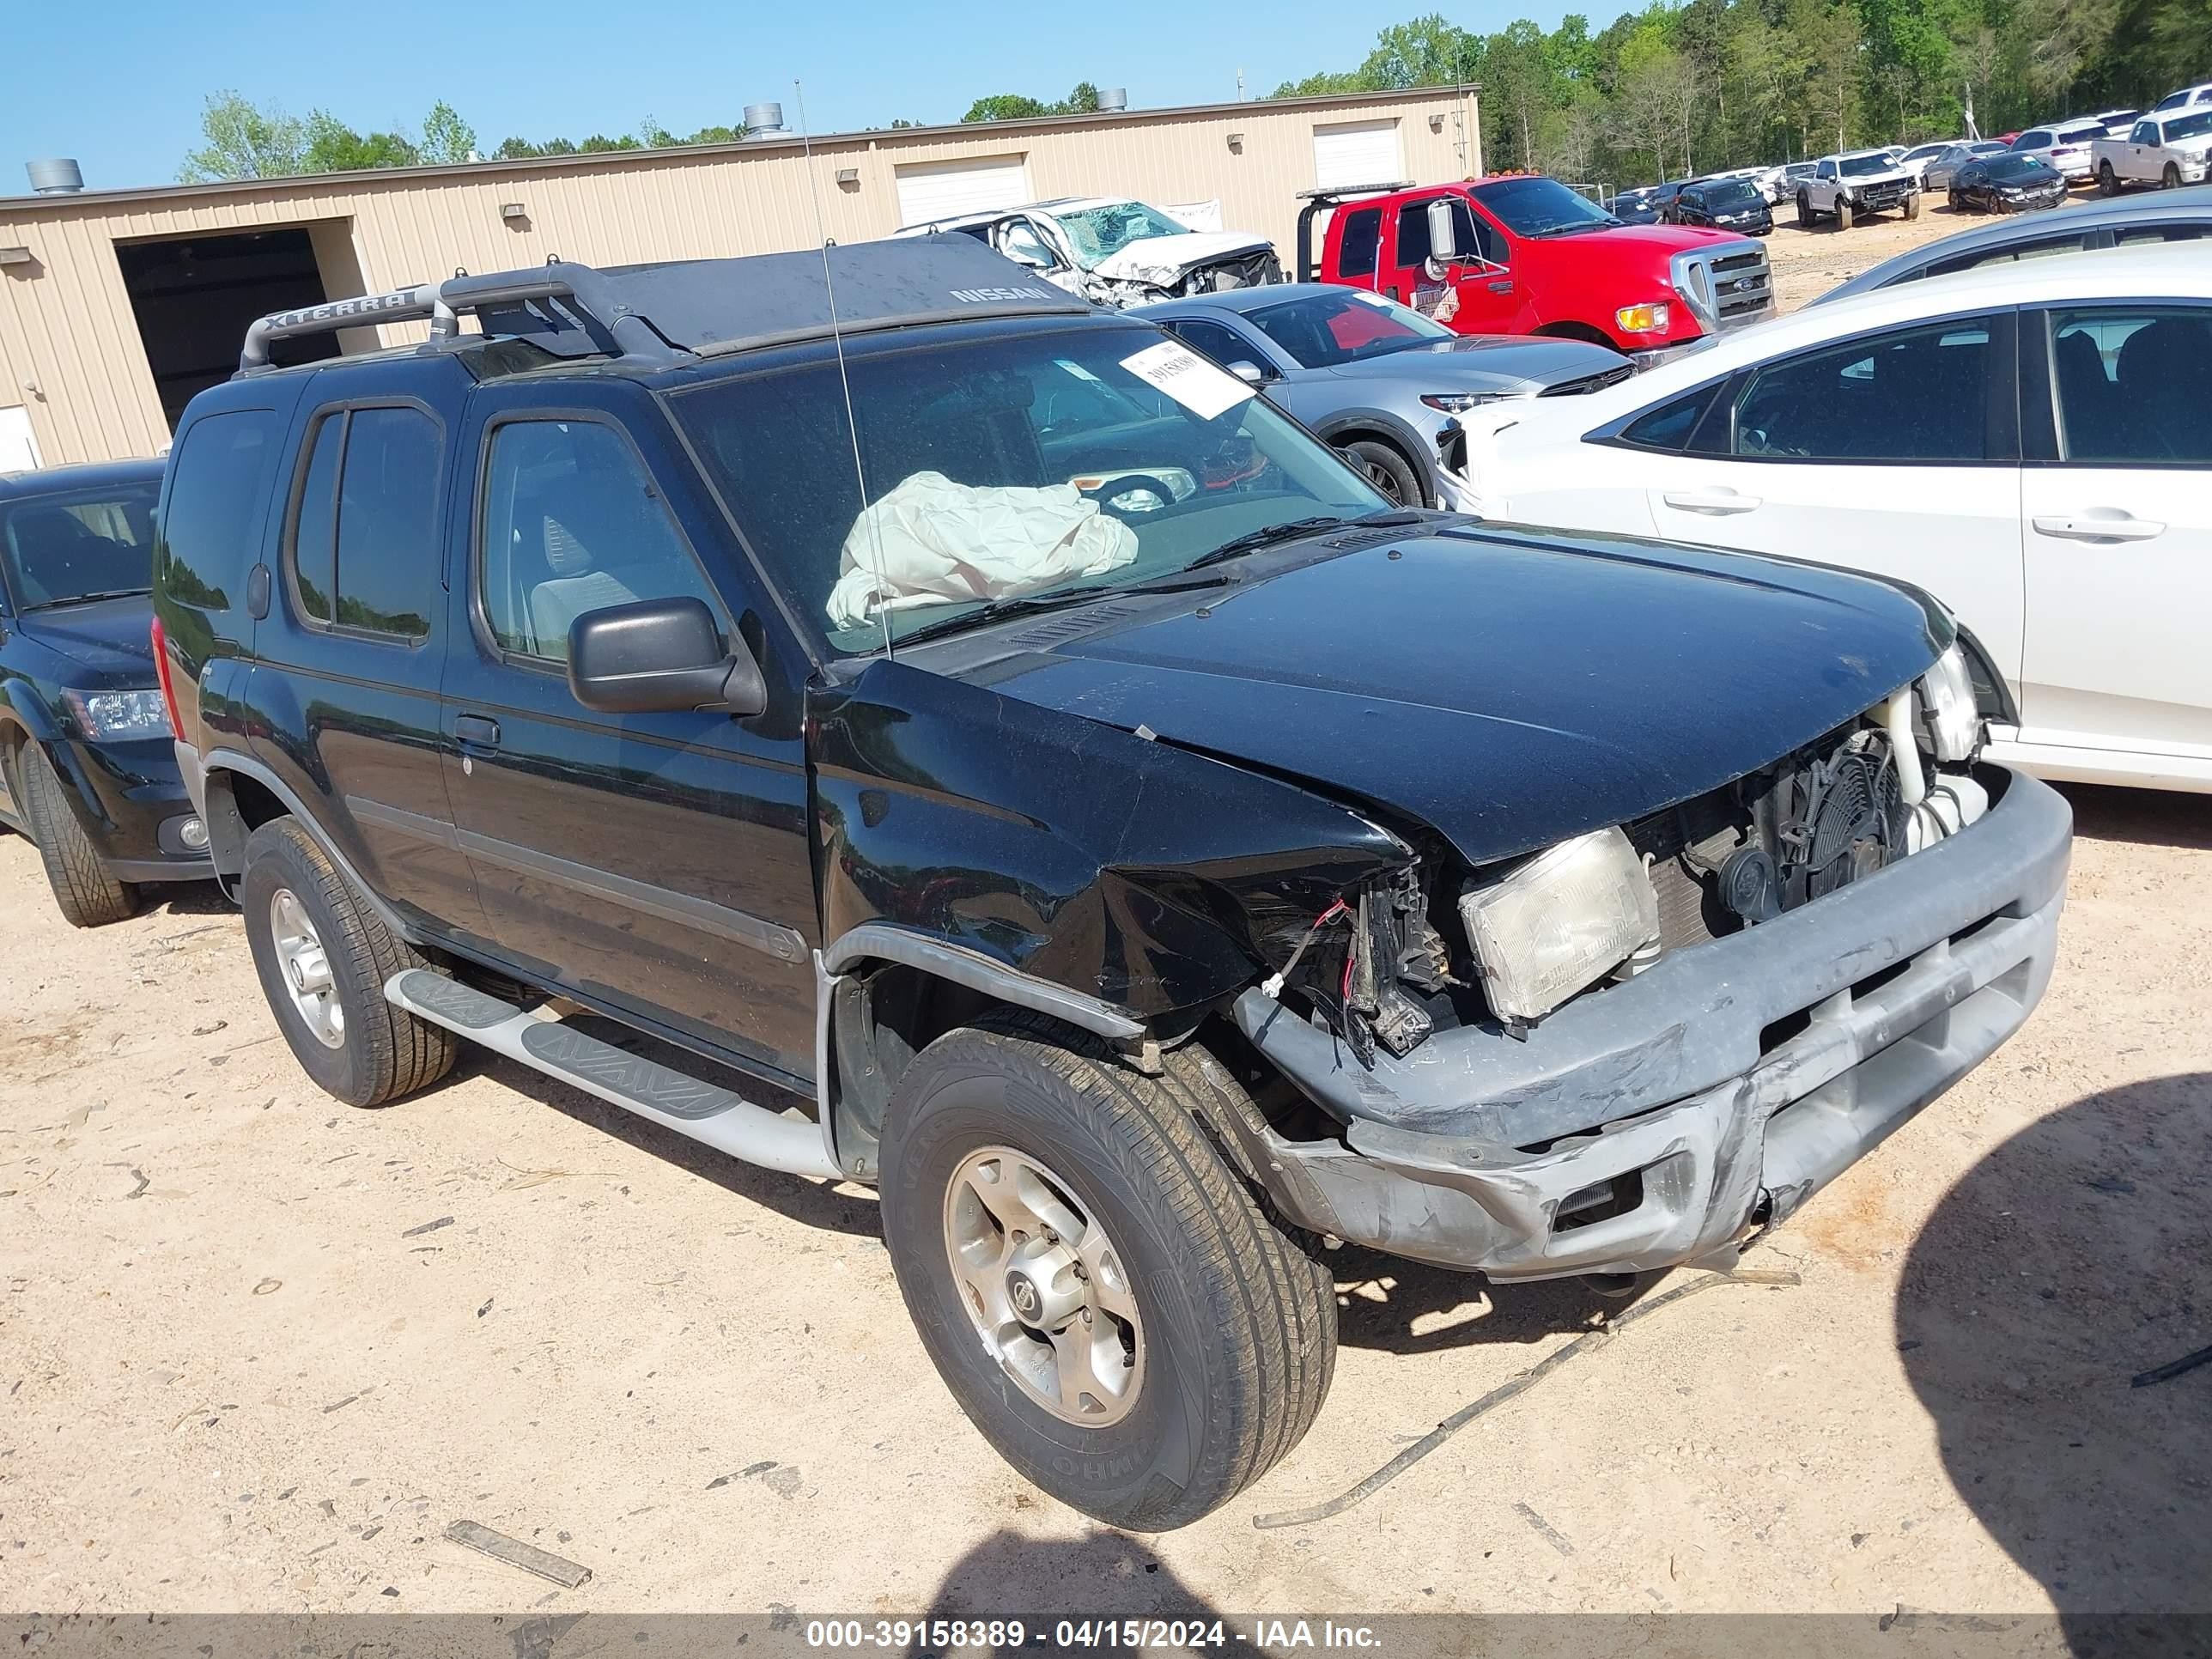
{"points": [[131, 797], [1662, 1120]]}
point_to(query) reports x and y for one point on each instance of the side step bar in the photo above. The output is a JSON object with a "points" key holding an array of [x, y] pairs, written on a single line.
{"points": [[706, 1113]]}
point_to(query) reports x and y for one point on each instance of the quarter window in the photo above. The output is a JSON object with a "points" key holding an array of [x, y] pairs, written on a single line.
{"points": [[1363, 234], [208, 531], [364, 545], [571, 523], [2128, 384], [1918, 394]]}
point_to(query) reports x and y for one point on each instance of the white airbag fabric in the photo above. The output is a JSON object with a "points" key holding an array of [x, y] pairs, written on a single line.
{"points": [[932, 540]]}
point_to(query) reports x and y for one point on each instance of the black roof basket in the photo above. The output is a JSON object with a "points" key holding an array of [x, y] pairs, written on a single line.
{"points": [[659, 314]]}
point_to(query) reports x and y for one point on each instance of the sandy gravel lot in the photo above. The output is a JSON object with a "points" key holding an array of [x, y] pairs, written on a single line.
{"points": [[257, 1350]]}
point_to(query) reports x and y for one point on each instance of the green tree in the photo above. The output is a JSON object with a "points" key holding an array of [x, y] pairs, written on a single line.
{"points": [[1004, 106], [243, 140], [334, 146], [447, 138], [1429, 51]]}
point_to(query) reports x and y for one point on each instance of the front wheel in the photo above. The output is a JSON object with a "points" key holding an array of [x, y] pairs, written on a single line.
{"points": [[1844, 214], [87, 896], [324, 958], [1913, 205], [2170, 178], [1387, 469], [1103, 1296], [1804, 211]]}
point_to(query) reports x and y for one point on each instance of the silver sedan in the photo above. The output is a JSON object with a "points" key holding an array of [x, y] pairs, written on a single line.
{"points": [[1382, 383]]}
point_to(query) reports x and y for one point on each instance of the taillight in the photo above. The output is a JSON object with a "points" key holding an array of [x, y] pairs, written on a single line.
{"points": [[161, 640]]}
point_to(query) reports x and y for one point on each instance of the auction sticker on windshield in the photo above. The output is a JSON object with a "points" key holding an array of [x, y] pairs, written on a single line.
{"points": [[1187, 378]]}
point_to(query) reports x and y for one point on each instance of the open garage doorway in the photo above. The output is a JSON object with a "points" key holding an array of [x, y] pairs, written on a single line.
{"points": [[194, 295]]}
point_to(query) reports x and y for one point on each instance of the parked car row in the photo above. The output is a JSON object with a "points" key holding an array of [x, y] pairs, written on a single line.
{"points": [[968, 742]]}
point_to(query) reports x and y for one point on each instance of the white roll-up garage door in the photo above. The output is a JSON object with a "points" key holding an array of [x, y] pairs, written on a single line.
{"points": [[940, 189], [1348, 153]]}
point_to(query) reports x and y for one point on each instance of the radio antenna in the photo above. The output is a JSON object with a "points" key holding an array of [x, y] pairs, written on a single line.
{"points": [[844, 380]]}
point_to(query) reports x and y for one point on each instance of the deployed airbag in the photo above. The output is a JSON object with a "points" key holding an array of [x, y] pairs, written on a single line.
{"points": [[931, 540]]}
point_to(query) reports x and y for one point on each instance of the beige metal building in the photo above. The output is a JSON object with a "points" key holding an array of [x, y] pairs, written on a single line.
{"points": [[117, 306]]}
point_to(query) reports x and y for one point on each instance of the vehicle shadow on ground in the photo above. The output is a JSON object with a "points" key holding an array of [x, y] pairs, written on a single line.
{"points": [[1104, 1575], [2148, 817], [812, 1203], [1402, 1307], [2074, 1258], [183, 898]]}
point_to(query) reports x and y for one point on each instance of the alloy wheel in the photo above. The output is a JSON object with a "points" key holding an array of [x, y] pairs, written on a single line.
{"points": [[1044, 1287], [305, 967]]}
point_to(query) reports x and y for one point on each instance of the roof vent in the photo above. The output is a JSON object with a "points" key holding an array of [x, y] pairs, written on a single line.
{"points": [[1114, 99], [59, 176], [764, 121]]}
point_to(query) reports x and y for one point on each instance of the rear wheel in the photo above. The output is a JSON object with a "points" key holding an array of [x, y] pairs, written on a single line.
{"points": [[88, 895], [2108, 182], [1105, 1297], [324, 957], [2170, 178], [1387, 469]]}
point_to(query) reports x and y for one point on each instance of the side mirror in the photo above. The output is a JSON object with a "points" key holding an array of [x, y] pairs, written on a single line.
{"points": [[1443, 231], [1249, 372], [658, 656]]}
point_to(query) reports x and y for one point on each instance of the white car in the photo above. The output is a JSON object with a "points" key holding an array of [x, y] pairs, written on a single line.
{"points": [[2065, 145], [2056, 499], [1115, 251], [2186, 98], [1917, 160]]}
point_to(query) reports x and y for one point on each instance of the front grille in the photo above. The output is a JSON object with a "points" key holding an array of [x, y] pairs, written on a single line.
{"points": [[1588, 383], [1726, 286]]}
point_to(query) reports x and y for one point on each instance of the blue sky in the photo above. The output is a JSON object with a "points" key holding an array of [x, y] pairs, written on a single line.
{"points": [[119, 83]]}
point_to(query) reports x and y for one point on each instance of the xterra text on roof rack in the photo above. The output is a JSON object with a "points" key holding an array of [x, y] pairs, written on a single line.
{"points": [[1003, 759]]}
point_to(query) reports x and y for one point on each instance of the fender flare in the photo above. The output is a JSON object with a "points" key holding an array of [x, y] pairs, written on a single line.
{"points": [[1422, 455], [226, 830]]}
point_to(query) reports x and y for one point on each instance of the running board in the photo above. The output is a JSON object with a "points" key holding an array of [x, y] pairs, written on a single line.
{"points": [[706, 1113]]}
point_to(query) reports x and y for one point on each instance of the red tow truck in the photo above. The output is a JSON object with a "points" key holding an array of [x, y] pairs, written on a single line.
{"points": [[1521, 253]]}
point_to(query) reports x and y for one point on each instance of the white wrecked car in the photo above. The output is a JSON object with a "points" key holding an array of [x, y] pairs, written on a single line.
{"points": [[1115, 251]]}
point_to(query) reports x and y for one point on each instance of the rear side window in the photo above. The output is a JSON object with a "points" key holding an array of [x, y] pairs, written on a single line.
{"points": [[210, 528], [2040, 249], [2129, 384], [364, 542], [1915, 394], [1213, 339], [1363, 233]]}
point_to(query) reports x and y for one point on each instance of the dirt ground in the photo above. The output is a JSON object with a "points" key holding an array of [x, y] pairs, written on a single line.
{"points": [[1808, 263], [257, 1350]]}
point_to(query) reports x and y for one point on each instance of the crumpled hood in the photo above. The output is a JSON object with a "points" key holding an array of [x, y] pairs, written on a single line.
{"points": [[1484, 362], [1161, 260], [106, 644], [1507, 688]]}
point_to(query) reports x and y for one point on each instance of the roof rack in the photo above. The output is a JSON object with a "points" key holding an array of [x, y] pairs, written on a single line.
{"points": [[657, 315], [1317, 201]]}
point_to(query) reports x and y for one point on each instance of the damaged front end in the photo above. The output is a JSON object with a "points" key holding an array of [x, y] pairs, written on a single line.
{"points": [[1632, 1049], [1157, 270]]}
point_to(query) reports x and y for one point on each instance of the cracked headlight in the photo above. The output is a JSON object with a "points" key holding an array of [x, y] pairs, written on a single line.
{"points": [[101, 715], [1560, 923], [1947, 706]]}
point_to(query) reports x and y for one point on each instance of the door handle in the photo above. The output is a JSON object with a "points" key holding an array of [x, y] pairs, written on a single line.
{"points": [[2098, 524], [476, 732], [1503, 286], [1719, 502]]}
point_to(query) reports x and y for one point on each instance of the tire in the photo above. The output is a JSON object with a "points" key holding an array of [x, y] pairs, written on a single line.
{"points": [[1387, 469], [1234, 1337], [2170, 178], [88, 895], [1844, 214], [1804, 211], [1958, 204], [2108, 182], [1913, 205], [380, 1052]]}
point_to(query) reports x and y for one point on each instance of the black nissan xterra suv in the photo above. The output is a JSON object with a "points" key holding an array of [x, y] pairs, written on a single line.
{"points": [[974, 747]]}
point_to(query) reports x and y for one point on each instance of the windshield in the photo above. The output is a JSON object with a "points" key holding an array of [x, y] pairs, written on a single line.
{"points": [[1540, 207], [2194, 126], [1730, 193], [1026, 462], [2017, 166], [1098, 232], [1857, 166], [1324, 330], [82, 545]]}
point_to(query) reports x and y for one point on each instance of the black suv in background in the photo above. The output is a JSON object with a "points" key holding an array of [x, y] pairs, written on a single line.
{"points": [[1723, 204], [86, 767], [981, 750]]}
